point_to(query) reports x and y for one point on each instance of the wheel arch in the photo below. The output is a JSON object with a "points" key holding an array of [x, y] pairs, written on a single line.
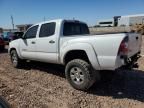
{"points": [[80, 48], [15, 50], [12, 49], [75, 54]]}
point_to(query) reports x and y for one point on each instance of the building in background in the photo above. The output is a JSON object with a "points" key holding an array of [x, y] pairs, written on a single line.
{"points": [[105, 23], [9, 30], [23, 27], [131, 20], [128, 20]]}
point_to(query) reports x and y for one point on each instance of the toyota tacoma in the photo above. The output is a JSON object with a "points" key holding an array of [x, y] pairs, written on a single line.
{"points": [[69, 43]]}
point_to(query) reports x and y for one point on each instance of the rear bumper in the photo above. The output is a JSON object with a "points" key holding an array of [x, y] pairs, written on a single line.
{"points": [[2, 43], [114, 63], [131, 62], [2, 47]]}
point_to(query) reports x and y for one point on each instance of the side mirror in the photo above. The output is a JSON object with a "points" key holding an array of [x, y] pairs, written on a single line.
{"points": [[23, 37]]}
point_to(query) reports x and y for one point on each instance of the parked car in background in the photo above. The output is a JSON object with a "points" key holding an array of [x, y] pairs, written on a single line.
{"points": [[2, 43], [15, 35], [6, 36], [9, 36]]}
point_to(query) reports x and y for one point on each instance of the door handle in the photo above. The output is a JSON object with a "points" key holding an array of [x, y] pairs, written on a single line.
{"points": [[52, 41], [33, 42]]}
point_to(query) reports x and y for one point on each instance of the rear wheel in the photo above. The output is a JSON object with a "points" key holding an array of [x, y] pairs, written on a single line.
{"points": [[80, 74], [16, 61]]}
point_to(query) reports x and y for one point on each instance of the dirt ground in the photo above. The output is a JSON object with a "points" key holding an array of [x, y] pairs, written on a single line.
{"points": [[40, 85]]}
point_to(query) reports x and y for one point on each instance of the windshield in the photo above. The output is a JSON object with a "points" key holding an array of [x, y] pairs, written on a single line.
{"points": [[75, 28]]}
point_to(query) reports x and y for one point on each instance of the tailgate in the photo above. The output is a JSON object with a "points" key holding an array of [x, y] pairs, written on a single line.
{"points": [[134, 43]]}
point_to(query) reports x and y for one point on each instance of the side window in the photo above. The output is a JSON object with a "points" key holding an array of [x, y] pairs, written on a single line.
{"points": [[47, 29], [31, 33]]}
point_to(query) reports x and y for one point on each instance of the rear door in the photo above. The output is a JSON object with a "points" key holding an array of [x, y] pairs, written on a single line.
{"points": [[47, 44], [28, 44]]}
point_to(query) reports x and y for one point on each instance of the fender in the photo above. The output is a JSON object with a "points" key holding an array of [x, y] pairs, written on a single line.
{"points": [[107, 52], [92, 56], [15, 45]]}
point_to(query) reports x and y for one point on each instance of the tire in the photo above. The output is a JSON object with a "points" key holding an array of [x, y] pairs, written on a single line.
{"points": [[3, 103], [16, 61], [80, 74]]}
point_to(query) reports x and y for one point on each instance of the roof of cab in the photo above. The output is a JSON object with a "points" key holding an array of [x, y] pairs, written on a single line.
{"points": [[58, 20]]}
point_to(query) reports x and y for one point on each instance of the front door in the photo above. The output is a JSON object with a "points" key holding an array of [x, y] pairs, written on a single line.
{"points": [[28, 44]]}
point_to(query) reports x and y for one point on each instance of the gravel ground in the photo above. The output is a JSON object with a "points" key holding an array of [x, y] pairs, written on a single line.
{"points": [[40, 85]]}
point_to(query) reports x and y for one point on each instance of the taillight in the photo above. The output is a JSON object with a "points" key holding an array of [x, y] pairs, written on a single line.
{"points": [[123, 49]]}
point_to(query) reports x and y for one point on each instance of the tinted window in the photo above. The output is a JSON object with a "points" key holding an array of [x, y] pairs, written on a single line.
{"points": [[31, 33], [47, 30], [73, 28]]}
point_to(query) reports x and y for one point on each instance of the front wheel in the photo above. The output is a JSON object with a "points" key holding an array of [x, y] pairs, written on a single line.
{"points": [[16, 61], [80, 74]]}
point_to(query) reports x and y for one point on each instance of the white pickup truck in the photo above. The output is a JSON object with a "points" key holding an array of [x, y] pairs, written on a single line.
{"points": [[69, 43]]}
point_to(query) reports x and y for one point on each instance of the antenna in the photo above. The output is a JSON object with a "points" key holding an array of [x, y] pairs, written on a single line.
{"points": [[12, 21]]}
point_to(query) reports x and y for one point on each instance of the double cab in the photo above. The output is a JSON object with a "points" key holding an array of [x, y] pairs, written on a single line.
{"points": [[69, 43]]}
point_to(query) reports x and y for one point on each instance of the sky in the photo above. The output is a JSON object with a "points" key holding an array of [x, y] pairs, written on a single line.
{"points": [[89, 11]]}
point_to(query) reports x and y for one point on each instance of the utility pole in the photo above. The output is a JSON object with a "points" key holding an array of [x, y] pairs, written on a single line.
{"points": [[12, 21], [44, 18]]}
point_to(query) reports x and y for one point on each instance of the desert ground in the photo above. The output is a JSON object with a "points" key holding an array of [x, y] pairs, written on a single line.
{"points": [[41, 85]]}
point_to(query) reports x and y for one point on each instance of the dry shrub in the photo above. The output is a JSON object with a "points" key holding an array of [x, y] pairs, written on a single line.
{"points": [[139, 28]]}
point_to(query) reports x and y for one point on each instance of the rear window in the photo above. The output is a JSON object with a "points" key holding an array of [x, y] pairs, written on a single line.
{"points": [[73, 28]]}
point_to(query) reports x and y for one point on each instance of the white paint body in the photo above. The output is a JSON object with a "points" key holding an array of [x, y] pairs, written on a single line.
{"points": [[102, 50]]}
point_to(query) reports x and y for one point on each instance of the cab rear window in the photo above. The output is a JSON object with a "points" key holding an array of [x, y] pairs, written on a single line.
{"points": [[75, 28]]}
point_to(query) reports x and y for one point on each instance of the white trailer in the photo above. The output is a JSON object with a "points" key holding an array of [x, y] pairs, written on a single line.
{"points": [[131, 20]]}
